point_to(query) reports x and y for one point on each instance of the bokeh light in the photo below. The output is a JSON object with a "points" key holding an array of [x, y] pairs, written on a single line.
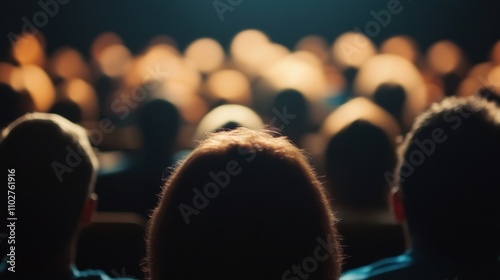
{"points": [[83, 94], [103, 41], [68, 63], [229, 85], [389, 68], [221, 115], [360, 108], [403, 46], [444, 57], [29, 49], [315, 45], [39, 86], [205, 54], [11, 75], [294, 72], [114, 60], [352, 49]]}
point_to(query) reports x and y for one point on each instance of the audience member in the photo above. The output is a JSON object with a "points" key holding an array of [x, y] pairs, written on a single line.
{"points": [[244, 205], [447, 196], [53, 167]]}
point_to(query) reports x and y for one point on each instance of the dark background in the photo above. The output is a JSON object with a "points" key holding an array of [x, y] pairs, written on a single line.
{"points": [[473, 25]]}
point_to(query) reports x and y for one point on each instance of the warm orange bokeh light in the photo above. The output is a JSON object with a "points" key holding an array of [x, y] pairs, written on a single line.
{"points": [[360, 109], [114, 60], [83, 94], [228, 113], [495, 53], [352, 49], [401, 45], [29, 49], [103, 41], [205, 54], [39, 86], [11, 75], [444, 57], [389, 68], [229, 85], [68, 63], [251, 50], [315, 45], [296, 73], [494, 78]]}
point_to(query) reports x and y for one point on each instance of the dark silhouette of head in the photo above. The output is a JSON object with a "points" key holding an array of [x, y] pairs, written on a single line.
{"points": [[392, 98], [159, 122], [244, 205], [356, 159], [451, 82], [489, 94], [291, 102], [230, 125], [448, 181], [13, 104], [67, 109], [350, 75], [54, 168]]}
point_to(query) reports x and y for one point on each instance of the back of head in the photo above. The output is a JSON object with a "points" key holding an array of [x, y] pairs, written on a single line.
{"points": [[356, 159], [53, 166], [243, 205], [13, 104], [448, 179], [159, 121], [67, 109], [392, 98], [293, 103]]}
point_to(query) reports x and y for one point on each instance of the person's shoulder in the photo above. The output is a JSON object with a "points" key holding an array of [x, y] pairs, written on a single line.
{"points": [[380, 269], [95, 274]]}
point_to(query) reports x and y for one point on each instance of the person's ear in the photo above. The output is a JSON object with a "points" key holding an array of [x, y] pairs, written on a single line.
{"points": [[397, 206], [89, 209]]}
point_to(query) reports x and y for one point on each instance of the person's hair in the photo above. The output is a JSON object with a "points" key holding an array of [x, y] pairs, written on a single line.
{"points": [[448, 179], [242, 205], [356, 159], [54, 168]]}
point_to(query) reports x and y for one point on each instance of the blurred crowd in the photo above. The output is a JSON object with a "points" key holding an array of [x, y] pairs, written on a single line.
{"points": [[349, 105]]}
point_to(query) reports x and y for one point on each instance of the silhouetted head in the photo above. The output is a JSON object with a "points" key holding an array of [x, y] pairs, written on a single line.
{"points": [[350, 75], [490, 94], [449, 180], [356, 159], [392, 98], [243, 205], [451, 83], [159, 122], [13, 104], [290, 114], [230, 125], [54, 168], [67, 109]]}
